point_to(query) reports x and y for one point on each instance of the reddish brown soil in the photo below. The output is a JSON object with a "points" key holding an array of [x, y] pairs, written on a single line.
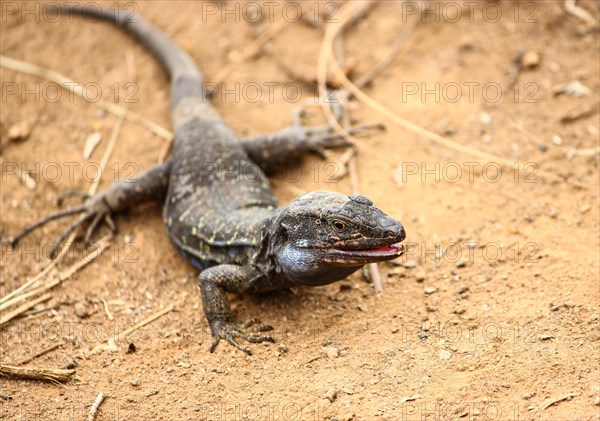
{"points": [[498, 335]]}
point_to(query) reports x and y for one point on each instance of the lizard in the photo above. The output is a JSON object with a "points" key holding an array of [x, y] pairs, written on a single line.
{"points": [[219, 209]]}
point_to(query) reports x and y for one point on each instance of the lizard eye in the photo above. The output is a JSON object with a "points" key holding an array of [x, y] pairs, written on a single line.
{"points": [[338, 225]]}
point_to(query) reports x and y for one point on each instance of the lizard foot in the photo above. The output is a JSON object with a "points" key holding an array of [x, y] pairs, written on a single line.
{"points": [[230, 331], [93, 211]]}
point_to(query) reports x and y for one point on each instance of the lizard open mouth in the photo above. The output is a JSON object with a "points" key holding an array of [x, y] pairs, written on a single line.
{"points": [[384, 252]]}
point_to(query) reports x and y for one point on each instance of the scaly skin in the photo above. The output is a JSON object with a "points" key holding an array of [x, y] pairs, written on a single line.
{"points": [[221, 213]]}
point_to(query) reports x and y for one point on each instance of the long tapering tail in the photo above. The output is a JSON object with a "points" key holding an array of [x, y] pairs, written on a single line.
{"points": [[186, 79]]}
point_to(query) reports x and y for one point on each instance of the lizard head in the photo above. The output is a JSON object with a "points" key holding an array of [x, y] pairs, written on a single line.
{"points": [[325, 236]]}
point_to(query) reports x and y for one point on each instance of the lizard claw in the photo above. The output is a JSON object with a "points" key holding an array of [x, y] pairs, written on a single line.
{"points": [[229, 331], [94, 209]]}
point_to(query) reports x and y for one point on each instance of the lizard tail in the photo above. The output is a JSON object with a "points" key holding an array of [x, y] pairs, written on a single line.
{"points": [[186, 79]]}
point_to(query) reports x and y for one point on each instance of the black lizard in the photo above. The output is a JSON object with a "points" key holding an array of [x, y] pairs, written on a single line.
{"points": [[220, 211]]}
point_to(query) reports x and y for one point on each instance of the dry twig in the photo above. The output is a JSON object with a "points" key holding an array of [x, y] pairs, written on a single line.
{"points": [[76, 88], [53, 375], [579, 12], [110, 342], [95, 406], [372, 269], [22, 309], [551, 401], [250, 50], [42, 352]]}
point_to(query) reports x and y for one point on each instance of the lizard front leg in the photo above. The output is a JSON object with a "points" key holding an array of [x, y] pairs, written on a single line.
{"points": [[151, 185], [215, 283], [278, 150]]}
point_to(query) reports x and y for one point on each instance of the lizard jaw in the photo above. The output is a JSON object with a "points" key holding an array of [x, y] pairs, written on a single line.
{"points": [[375, 254]]}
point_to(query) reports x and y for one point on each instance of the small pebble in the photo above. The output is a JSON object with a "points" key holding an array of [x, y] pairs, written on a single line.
{"points": [[530, 60], [81, 310], [282, 348], [19, 131], [331, 352], [485, 118], [597, 401], [135, 382], [410, 264], [585, 208], [362, 307], [331, 394], [461, 263], [445, 354], [569, 304], [429, 290]]}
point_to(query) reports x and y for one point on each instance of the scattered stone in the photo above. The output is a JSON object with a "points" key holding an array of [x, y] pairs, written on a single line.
{"points": [[485, 118], [463, 289], [445, 354], [542, 147], [546, 336], [460, 310], [331, 394], [597, 401], [569, 304], [461, 263], [574, 88], [135, 382], [423, 336], [19, 131], [429, 290], [82, 310], [131, 348], [529, 60], [331, 352], [410, 264], [557, 140], [362, 307], [449, 130], [282, 348], [420, 277], [528, 395], [585, 208]]}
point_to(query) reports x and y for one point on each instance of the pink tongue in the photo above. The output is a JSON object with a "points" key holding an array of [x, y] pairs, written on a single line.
{"points": [[384, 248]]}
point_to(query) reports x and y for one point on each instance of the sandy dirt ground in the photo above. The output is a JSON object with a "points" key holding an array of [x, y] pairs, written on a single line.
{"points": [[493, 312]]}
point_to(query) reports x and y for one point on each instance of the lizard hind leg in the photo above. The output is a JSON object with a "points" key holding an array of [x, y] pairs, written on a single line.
{"points": [[40, 223], [95, 209]]}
